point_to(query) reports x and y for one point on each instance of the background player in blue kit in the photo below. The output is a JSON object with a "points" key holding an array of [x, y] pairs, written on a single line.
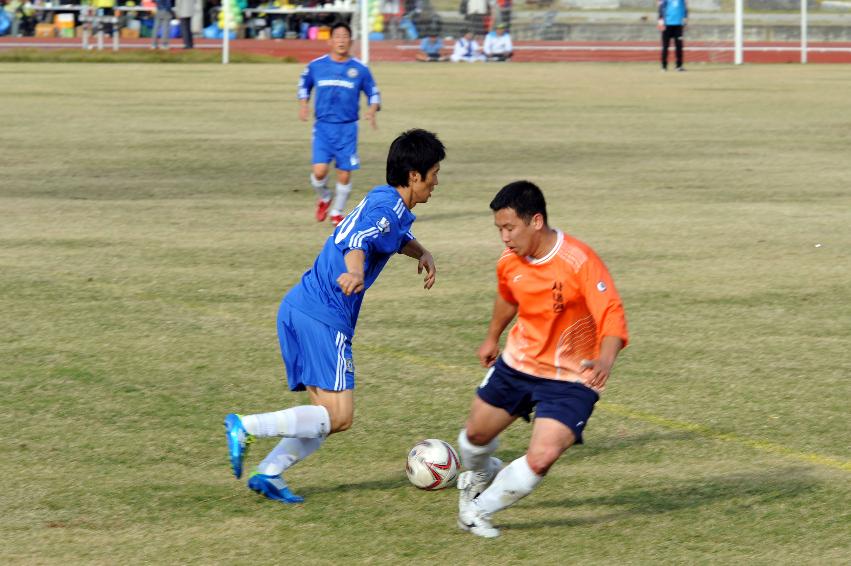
{"points": [[316, 320], [338, 79]]}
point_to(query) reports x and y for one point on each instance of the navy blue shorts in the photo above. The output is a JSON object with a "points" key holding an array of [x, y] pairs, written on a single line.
{"points": [[520, 393]]}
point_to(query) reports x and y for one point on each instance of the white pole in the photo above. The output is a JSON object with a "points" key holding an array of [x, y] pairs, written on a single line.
{"points": [[364, 31], [803, 31], [226, 30], [738, 59]]}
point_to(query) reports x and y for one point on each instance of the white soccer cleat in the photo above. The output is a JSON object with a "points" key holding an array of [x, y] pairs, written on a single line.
{"points": [[475, 521], [471, 484]]}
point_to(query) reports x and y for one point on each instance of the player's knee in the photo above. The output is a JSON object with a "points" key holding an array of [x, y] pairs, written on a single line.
{"points": [[478, 438], [541, 460], [340, 423]]}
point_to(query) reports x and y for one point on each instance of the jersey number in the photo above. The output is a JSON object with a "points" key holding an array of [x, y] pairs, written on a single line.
{"points": [[345, 227]]}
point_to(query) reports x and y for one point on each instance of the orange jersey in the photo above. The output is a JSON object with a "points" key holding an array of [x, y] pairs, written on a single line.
{"points": [[566, 303]]}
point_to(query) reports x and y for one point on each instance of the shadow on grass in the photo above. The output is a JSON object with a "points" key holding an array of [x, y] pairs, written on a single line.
{"points": [[748, 489], [603, 447], [377, 485]]}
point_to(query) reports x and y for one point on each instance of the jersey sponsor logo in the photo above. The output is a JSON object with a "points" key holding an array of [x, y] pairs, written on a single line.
{"points": [[352, 73], [383, 225], [336, 82], [601, 287]]}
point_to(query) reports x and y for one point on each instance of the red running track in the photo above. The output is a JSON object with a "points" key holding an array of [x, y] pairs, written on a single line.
{"points": [[525, 51]]}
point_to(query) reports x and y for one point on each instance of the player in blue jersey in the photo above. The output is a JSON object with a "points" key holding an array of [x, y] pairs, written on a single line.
{"points": [[338, 79], [317, 317]]}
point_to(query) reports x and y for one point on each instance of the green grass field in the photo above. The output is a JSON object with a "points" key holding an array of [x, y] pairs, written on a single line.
{"points": [[153, 216]]}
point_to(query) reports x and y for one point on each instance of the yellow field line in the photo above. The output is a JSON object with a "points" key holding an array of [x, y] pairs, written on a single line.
{"points": [[707, 432], [624, 411]]}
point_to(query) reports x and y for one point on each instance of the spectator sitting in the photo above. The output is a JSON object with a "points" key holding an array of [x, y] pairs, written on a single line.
{"points": [[430, 49], [498, 46], [467, 49]]}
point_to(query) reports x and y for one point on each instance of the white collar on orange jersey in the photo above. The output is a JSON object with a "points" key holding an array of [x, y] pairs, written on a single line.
{"points": [[550, 254]]}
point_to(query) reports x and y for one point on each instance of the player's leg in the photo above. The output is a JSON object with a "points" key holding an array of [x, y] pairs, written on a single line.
{"points": [[346, 160], [678, 47], [268, 479], [477, 442], [502, 397], [550, 438], [563, 409], [322, 155], [317, 358], [303, 422], [665, 41]]}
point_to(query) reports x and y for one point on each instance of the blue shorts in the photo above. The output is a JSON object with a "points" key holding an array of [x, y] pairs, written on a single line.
{"points": [[314, 353], [519, 393], [337, 143]]}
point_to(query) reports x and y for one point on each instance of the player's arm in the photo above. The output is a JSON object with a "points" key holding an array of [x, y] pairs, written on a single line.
{"points": [[374, 99], [352, 281], [503, 313], [305, 85], [606, 307], [660, 25], [426, 261], [600, 369]]}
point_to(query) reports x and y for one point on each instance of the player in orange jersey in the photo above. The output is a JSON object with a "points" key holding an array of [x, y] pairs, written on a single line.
{"points": [[559, 354]]}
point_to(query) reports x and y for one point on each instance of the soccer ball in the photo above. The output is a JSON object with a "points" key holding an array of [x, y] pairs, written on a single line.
{"points": [[432, 464]]}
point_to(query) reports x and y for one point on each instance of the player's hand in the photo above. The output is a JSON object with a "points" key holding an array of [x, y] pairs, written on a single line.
{"points": [[350, 283], [427, 263], [660, 25], [596, 372], [370, 117], [303, 113], [488, 352]]}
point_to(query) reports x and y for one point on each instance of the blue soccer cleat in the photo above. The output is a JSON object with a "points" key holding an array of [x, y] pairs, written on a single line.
{"points": [[238, 441], [273, 487]]}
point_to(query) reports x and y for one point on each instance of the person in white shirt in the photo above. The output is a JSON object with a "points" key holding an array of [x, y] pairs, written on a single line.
{"points": [[498, 46], [467, 49]]}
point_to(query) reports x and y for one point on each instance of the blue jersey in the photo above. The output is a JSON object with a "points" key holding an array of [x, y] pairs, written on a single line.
{"points": [[338, 87], [673, 12], [380, 226], [430, 46]]}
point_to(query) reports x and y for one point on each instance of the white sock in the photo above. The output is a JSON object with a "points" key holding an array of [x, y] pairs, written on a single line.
{"points": [[320, 187], [341, 197], [513, 483], [287, 453], [304, 421], [475, 457]]}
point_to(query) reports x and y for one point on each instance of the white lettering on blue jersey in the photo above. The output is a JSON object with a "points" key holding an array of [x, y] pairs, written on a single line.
{"points": [[333, 82]]}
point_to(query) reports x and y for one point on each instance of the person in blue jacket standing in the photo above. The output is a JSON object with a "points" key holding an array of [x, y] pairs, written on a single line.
{"points": [[673, 18]]}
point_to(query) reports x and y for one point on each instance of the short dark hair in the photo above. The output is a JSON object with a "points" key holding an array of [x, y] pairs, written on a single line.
{"points": [[414, 150], [341, 24], [524, 197]]}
